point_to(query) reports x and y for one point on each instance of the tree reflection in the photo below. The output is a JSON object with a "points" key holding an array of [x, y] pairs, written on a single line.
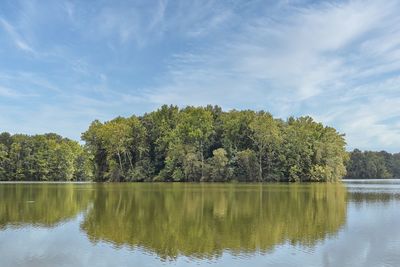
{"points": [[41, 204], [205, 220]]}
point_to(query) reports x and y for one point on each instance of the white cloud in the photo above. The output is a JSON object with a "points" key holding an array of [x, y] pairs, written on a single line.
{"points": [[338, 61], [313, 60], [131, 23], [19, 42]]}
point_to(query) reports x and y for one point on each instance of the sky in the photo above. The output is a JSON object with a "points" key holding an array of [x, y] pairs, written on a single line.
{"points": [[65, 63]]}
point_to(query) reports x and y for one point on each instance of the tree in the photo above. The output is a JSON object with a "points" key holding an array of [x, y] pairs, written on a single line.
{"points": [[4, 163], [159, 125], [95, 147], [192, 144], [119, 147], [266, 137], [373, 165], [237, 131], [195, 126], [246, 166], [218, 164], [208, 144], [47, 157]]}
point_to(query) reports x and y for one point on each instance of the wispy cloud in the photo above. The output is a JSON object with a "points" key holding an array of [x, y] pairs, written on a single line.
{"points": [[146, 23], [338, 61], [12, 93], [131, 23], [19, 42], [315, 59]]}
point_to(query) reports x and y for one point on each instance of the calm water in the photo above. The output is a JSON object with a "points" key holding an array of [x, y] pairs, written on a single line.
{"points": [[350, 224]]}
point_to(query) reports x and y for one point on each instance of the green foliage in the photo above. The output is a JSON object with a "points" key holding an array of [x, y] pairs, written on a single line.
{"points": [[46, 157], [246, 166], [312, 152], [207, 144], [119, 148], [373, 165], [190, 145], [218, 167], [159, 125], [237, 133], [266, 137], [4, 162]]}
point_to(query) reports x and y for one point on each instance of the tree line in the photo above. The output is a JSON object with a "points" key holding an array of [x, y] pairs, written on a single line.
{"points": [[208, 144], [193, 144], [373, 165], [47, 157]]}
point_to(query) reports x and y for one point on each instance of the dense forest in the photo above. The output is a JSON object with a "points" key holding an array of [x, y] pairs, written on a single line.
{"points": [[189, 144], [373, 165], [47, 157], [208, 144], [193, 144]]}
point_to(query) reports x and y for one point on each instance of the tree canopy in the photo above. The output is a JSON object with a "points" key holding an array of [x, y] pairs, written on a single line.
{"points": [[47, 157], [208, 144], [373, 165], [193, 144]]}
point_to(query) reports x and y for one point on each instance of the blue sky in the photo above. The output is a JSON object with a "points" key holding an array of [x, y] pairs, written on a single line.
{"points": [[66, 63]]}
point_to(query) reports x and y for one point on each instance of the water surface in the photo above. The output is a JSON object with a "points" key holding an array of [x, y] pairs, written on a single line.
{"points": [[356, 223]]}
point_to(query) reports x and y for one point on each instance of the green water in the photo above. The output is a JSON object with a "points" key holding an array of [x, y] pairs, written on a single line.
{"points": [[349, 224]]}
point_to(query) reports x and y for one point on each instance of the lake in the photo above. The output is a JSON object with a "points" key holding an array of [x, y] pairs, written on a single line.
{"points": [[354, 223]]}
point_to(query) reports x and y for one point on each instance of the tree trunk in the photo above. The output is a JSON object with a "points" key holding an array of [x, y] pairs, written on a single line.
{"points": [[202, 164], [202, 161], [260, 165], [130, 160], [120, 162]]}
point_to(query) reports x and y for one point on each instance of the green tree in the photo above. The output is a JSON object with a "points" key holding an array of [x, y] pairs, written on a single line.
{"points": [[4, 163], [236, 130], [192, 144], [246, 168], [266, 137], [218, 165], [119, 148], [159, 125], [47, 157], [373, 165], [195, 126]]}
